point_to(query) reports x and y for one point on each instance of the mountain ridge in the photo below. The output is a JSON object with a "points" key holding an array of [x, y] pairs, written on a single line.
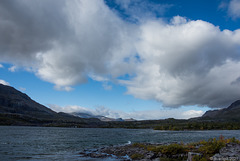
{"points": [[232, 112], [102, 118], [14, 101], [17, 108]]}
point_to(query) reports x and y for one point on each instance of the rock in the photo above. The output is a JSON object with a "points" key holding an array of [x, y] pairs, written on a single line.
{"points": [[231, 149], [191, 155], [230, 152], [136, 151], [150, 155]]}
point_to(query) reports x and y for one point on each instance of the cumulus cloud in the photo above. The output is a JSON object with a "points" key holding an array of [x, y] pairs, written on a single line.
{"points": [[191, 62], [4, 82], [63, 41], [138, 115], [180, 62], [1, 66], [27, 28], [234, 9]]}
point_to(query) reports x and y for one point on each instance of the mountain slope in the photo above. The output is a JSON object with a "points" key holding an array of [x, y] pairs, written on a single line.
{"points": [[230, 113], [16, 108], [16, 102]]}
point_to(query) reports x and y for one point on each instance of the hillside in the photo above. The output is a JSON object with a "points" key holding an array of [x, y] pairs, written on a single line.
{"points": [[231, 113], [16, 102], [16, 108]]}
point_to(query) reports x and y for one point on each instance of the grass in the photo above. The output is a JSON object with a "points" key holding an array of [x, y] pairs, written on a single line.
{"points": [[137, 156], [206, 148]]}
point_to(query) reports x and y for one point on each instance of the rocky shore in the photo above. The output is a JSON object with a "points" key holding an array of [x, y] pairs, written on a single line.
{"points": [[163, 152], [122, 152]]}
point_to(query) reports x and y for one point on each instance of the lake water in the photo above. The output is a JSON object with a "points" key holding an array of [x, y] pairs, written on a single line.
{"points": [[51, 143]]}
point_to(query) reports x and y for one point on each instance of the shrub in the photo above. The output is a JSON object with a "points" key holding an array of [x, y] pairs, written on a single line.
{"points": [[198, 158], [139, 145], [171, 149], [137, 156], [212, 146]]}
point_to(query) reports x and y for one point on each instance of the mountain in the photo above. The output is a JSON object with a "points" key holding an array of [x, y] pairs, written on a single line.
{"points": [[16, 108], [87, 115], [102, 118], [230, 113], [82, 115], [16, 102]]}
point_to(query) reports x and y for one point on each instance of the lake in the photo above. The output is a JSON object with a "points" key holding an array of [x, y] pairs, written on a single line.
{"points": [[52, 143]]}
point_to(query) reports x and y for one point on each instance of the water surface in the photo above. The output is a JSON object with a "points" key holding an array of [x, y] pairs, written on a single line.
{"points": [[51, 143]]}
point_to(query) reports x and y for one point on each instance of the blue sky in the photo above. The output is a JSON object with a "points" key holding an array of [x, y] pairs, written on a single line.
{"points": [[142, 59]]}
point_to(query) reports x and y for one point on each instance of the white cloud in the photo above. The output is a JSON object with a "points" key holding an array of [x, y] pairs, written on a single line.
{"points": [[107, 86], [98, 40], [104, 80], [70, 109], [141, 10], [4, 82], [66, 41], [179, 63], [98, 78], [63, 88], [138, 115], [178, 20], [192, 63], [192, 113], [12, 69], [1, 66], [22, 89], [234, 9]]}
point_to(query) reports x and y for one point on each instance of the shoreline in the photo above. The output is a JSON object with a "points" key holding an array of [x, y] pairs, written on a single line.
{"points": [[213, 149]]}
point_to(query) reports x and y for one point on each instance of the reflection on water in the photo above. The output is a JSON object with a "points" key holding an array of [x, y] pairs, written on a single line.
{"points": [[50, 143]]}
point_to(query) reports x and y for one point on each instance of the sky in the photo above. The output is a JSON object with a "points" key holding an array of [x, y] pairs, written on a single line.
{"points": [[141, 59]]}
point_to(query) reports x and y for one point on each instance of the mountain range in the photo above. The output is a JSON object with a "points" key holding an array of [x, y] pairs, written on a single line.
{"points": [[102, 118], [17, 108]]}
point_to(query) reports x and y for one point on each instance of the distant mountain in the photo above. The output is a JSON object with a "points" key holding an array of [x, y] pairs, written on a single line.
{"points": [[131, 119], [16, 108], [102, 118], [230, 113], [82, 115]]}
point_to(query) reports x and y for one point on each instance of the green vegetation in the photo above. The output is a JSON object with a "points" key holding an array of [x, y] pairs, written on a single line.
{"points": [[177, 125], [179, 151], [63, 120], [137, 156], [203, 125], [171, 149], [199, 158], [212, 146]]}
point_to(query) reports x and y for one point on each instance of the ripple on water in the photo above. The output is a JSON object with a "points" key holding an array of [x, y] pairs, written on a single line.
{"points": [[49, 143]]}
